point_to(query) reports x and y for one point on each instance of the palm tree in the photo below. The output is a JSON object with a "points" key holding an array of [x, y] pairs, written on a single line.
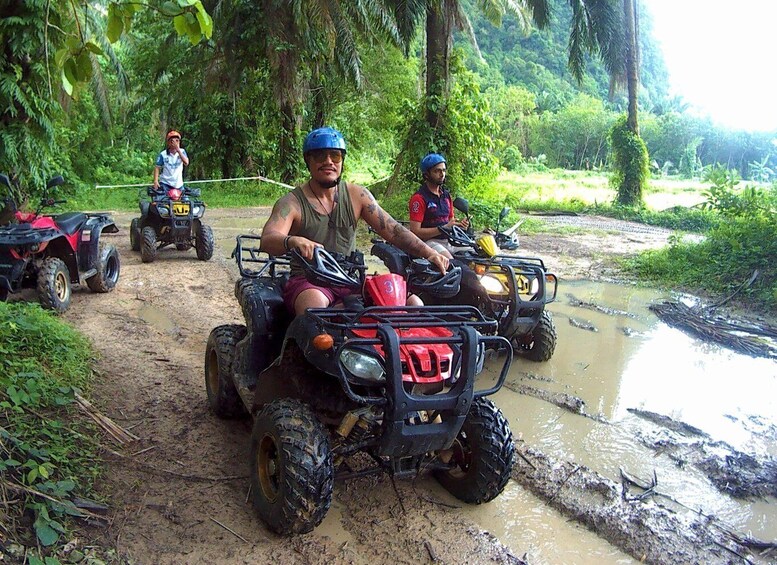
{"points": [[305, 44]]}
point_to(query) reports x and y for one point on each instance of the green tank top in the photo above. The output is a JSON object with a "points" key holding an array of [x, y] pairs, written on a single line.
{"points": [[338, 234]]}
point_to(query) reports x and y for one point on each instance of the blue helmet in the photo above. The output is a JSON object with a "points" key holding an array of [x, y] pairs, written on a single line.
{"points": [[323, 138], [430, 161]]}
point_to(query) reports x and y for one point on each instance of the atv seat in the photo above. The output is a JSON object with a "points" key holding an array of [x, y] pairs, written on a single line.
{"points": [[70, 222]]}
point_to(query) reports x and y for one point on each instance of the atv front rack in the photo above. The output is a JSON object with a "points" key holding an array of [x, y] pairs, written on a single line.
{"points": [[400, 404], [466, 324], [268, 265]]}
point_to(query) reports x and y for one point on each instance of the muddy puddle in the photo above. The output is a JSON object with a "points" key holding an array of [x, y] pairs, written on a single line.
{"points": [[655, 404]]}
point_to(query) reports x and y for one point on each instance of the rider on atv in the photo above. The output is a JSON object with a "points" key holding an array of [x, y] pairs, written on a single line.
{"points": [[324, 212], [431, 206], [168, 169]]}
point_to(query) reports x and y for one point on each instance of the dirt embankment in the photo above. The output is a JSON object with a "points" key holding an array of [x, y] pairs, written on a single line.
{"points": [[179, 493]]}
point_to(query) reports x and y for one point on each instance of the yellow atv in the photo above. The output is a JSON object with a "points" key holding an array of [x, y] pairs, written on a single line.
{"points": [[514, 291]]}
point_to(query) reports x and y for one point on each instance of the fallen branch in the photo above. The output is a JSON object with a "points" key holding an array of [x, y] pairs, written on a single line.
{"points": [[231, 531], [173, 473], [119, 434], [11, 485]]}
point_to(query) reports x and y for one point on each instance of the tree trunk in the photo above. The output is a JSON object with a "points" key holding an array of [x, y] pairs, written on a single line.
{"points": [[632, 63], [439, 44], [284, 63]]}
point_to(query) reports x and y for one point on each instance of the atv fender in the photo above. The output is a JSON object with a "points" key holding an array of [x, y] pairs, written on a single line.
{"points": [[396, 261], [89, 242], [144, 205], [266, 317]]}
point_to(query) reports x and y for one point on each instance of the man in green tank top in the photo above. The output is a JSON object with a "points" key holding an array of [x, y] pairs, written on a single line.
{"points": [[324, 212]]}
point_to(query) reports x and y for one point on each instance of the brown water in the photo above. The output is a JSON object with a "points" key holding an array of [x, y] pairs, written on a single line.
{"points": [[632, 361]]}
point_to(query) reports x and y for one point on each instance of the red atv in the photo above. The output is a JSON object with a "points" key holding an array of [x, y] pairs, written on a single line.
{"points": [[395, 382], [53, 253]]}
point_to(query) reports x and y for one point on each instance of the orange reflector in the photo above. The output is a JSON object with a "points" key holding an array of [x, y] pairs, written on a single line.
{"points": [[480, 269], [550, 278], [323, 342]]}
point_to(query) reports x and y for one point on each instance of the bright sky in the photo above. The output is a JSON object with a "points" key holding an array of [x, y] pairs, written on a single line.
{"points": [[721, 57]]}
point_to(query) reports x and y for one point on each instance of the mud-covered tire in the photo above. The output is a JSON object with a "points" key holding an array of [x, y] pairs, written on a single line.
{"points": [[203, 243], [108, 269], [292, 473], [483, 453], [53, 285], [135, 234], [223, 398], [540, 344], [148, 244]]}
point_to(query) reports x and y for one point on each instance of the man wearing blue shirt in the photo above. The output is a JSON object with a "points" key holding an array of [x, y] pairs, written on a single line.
{"points": [[168, 169]]}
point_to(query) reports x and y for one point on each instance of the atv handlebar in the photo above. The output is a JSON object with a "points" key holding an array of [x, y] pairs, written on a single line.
{"points": [[457, 236], [325, 269]]}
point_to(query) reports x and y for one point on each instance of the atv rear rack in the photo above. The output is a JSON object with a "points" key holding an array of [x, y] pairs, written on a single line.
{"points": [[268, 265]]}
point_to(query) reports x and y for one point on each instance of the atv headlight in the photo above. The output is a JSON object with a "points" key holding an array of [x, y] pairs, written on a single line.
{"points": [[362, 365], [164, 211], [196, 210], [491, 284], [534, 287]]}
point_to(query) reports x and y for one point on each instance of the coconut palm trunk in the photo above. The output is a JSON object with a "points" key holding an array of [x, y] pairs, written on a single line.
{"points": [[632, 62], [439, 43]]}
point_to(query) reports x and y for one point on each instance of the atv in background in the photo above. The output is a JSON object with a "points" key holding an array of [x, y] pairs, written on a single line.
{"points": [[376, 376], [510, 289], [173, 216], [51, 253]]}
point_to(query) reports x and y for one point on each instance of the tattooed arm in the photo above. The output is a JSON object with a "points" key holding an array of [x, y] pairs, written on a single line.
{"points": [[278, 226], [367, 208]]}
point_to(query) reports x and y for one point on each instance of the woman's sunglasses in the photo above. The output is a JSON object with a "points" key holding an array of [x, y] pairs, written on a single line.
{"points": [[321, 155]]}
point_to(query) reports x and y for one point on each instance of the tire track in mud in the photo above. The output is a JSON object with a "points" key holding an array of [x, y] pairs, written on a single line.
{"points": [[174, 492]]}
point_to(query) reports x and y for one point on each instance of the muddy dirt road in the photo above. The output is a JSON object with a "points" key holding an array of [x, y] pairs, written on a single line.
{"points": [[179, 493]]}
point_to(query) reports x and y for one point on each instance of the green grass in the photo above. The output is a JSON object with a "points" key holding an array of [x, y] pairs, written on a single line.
{"points": [[46, 445]]}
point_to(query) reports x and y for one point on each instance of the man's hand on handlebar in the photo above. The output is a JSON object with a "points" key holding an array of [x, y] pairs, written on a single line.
{"points": [[439, 261], [463, 223], [303, 245]]}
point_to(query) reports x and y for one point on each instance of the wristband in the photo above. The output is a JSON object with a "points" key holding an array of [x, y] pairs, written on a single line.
{"points": [[286, 242]]}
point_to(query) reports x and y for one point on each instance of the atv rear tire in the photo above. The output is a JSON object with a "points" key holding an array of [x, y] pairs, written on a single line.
{"points": [[540, 344], [53, 285], [292, 473], [483, 452], [108, 269], [223, 397], [148, 245], [203, 242], [135, 234]]}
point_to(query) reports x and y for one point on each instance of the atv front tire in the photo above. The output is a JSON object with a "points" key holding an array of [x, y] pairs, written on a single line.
{"points": [[483, 454], [53, 285], [540, 344], [135, 234], [148, 245], [203, 242], [292, 473], [108, 269], [223, 397]]}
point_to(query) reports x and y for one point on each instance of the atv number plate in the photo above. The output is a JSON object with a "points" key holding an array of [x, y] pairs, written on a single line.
{"points": [[181, 208]]}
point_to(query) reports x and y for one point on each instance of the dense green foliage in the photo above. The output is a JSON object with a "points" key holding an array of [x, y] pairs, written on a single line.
{"points": [[735, 248], [47, 455]]}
